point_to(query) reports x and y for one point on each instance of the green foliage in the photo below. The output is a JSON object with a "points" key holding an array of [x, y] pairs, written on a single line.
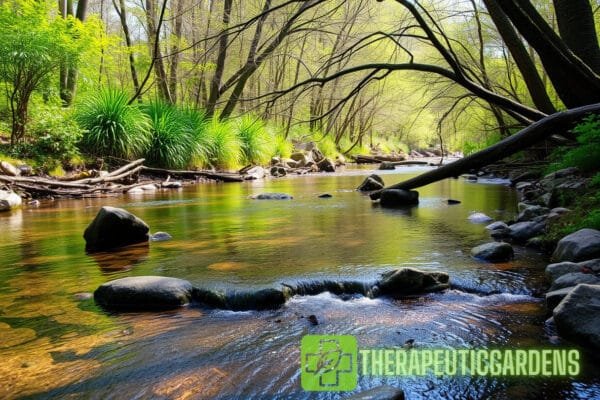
{"points": [[34, 42], [327, 146], [470, 147], [111, 126], [256, 142], [172, 142], [225, 144], [197, 123], [586, 156], [283, 147]]}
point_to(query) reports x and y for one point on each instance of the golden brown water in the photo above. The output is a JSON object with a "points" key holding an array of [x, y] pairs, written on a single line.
{"points": [[55, 343]]}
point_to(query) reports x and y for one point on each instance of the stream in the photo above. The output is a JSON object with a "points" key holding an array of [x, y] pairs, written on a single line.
{"points": [[56, 343]]}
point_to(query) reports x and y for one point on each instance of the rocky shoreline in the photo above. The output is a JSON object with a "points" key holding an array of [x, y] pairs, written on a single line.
{"points": [[573, 298]]}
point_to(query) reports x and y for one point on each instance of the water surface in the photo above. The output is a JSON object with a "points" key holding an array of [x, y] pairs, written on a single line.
{"points": [[56, 345]]}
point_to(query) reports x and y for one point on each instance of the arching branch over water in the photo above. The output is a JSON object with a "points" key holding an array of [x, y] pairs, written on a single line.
{"points": [[534, 133]]}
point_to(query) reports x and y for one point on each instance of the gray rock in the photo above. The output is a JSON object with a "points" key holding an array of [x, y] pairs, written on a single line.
{"points": [[496, 225], [531, 212], [470, 177], [114, 227], [577, 317], [256, 173], [385, 392], [495, 252], [555, 271], [161, 237], [407, 281], [371, 183], [278, 171], [550, 181], [146, 293], [502, 233], [316, 155], [325, 196], [9, 200], [581, 245], [479, 218], [340, 160], [574, 279], [300, 158], [263, 299], [560, 210], [452, 202], [272, 196], [7, 168], [555, 297], [391, 198], [387, 166], [326, 165], [523, 185], [523, 231]]}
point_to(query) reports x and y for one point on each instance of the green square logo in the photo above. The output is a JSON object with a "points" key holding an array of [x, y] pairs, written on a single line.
{"points": [[329, 363]]}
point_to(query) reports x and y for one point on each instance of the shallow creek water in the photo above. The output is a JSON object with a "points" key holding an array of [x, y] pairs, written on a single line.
{"points": [[53, 344]]}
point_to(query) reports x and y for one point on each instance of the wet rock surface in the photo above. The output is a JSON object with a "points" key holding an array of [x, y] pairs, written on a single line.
{"points": [[114, 227]]}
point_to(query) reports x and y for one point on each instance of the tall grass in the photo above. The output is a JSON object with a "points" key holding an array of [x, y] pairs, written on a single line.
{"points": [[198, 123], [111, 126], [226, 147], [327, 146], [256, 142], [172, 138], [282, 147]]}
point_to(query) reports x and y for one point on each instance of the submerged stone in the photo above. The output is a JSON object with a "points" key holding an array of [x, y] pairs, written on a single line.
{"points": [[272, 196], [392, 198], [495, 252]]}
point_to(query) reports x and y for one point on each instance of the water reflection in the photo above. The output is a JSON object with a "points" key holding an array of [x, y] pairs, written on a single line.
{"points": [[56, 346]]}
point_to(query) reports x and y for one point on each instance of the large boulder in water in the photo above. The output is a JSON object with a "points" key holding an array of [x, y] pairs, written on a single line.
{"points": [[579, 246], [577, 317], [371, 183], [9, 200], [114, 227], [574, 279], [555, 271], [391, 198], [406, 281], [144, 293], [494, 252]]}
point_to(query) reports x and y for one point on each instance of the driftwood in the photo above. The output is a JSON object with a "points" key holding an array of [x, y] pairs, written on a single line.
{"points": [[540, 130], [412, 162], [118, 181], [220, 176], [361, 159]]}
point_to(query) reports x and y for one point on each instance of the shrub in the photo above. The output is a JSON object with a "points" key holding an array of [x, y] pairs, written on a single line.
{"points": [[256, 142], [225, 144], [197, 123], [328, 147], [172, 139], [111, 126], [586, 156], [283, 147]]}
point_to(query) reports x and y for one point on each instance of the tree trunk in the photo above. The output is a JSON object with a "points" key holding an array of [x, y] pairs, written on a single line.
{"points": [[156, 53], [577, 28], [574, 81], [517, 49], [542, 129], [215, 84], [122, 12], [175, 50]]}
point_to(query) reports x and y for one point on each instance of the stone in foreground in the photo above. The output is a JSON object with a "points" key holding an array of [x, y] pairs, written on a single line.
{"points": [[391, 198], [555, 297], [579, 246], [494, 252], [577, 317], [521, 232], [385, 392], [554, 271], [144, 293], [574, 279], [113, 228], [406, 281]]}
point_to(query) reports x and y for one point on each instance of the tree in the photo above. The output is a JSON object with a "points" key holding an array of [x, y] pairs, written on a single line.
{"points": [[69, 73], [32, 46]]}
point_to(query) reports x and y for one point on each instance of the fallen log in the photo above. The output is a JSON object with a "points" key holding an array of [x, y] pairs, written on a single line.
{"points": [[42, 181], [412, 162], [220, 176], [534, 133], [361, 159]]}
